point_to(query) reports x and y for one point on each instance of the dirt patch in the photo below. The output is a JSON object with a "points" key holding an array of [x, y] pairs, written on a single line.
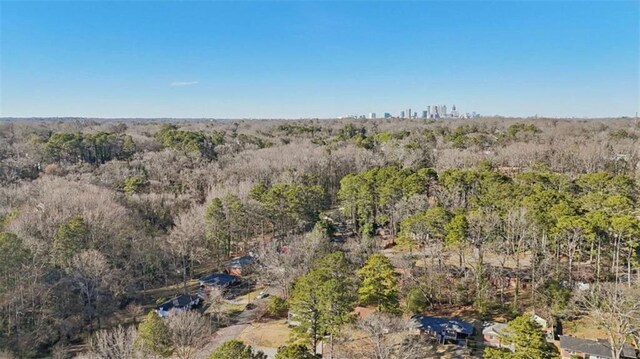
{"points": [[270, 334]]}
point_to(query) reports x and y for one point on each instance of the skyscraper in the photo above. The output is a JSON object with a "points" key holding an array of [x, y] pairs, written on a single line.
{"points": [[454, 112], [387, 115], [408, 113], [425, 114], [372, 115], [401, 114]]}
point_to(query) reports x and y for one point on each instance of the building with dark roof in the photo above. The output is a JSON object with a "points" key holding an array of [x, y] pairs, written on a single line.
{"points": [[444, 330], [572, 347], [240, 265], [180, 302], [217, 280]]}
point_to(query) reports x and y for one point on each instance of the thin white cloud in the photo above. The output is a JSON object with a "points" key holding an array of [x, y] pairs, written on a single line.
{"points": [[183, 83]]}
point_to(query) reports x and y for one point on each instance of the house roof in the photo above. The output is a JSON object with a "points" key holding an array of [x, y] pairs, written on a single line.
{"points": [[180, 301], [494, 329], [600, 347], [540, 320], [440, 325], [240, 262], [218, 279]]}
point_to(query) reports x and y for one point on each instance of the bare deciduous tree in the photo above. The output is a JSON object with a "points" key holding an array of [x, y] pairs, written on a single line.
{"points": [[116, 343], [93, 275], [187, 242], [381, 332], [188, 330], [215, 301], [283, 261], [616, 309]]}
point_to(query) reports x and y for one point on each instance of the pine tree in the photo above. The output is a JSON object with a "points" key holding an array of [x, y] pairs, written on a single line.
{"points": [[379, 284], [294, 351], [323, 299], [236, 349], [70, 238], [154, 336]]}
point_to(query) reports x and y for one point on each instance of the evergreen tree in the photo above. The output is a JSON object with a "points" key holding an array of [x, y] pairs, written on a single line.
{"points": [[379, 285], [236, 349], [416, 300], [70, 238], [154, 336], [323, 299], [13, 256], [294, 351]]}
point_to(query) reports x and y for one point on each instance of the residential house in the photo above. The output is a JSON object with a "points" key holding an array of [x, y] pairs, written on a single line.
{"points": [[493, 335], [541, 321], [548, 330], [572, 347], [239, 266], [181, 302], [444, 330], [217, 280]]}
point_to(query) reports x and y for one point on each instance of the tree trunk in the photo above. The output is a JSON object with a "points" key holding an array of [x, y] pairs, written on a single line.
{"points": [[517, 288], [629, 252], [598, 261]]}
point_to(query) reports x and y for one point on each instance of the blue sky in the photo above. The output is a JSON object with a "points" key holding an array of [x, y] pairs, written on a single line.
{"points": [[318, 59]]}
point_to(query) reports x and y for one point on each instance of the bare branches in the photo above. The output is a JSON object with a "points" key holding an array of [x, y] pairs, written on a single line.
{"points": [[188, 330], [115, 343], [616, 309]]}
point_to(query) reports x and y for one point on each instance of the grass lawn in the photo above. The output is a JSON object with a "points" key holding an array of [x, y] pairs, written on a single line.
{"points": [[249, 296], [582, 328], [232, 308], [270, 334]]}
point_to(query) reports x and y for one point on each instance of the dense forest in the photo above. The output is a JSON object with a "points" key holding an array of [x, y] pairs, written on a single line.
{"points": [[494, 215]]}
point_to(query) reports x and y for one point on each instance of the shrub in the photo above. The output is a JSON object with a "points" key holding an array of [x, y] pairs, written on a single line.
{"points": [[277, 306]]}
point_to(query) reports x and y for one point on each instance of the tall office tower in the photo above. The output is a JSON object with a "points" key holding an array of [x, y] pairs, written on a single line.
{"points": [[372, 115], [415, 115], [409, 113], [428, 111], [444, 110], [436, 111], [454, 112], [401, 114], [425, 114], [387, 115]]}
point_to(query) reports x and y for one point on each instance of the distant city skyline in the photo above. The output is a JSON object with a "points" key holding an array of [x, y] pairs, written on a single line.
{"points": [[232, 60], [429, 112]]}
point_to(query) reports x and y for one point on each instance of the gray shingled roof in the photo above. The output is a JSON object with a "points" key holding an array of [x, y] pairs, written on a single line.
{"points": [[494, 329], [241, 262], [219, 279], [599, 347], [440, 325], [180, 301]]}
